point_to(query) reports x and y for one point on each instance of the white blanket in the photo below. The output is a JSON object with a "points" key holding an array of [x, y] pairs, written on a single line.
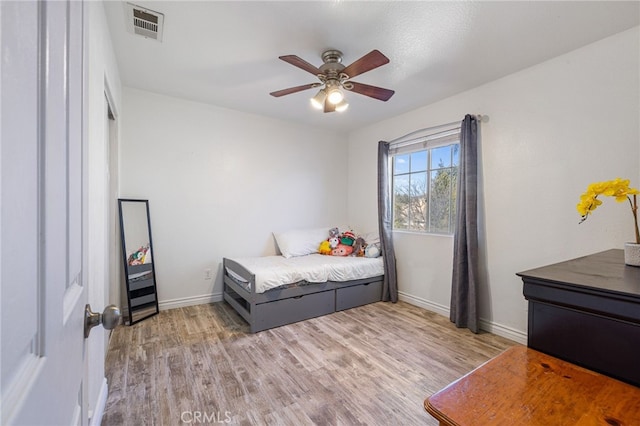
{"points": [[276, 271]]}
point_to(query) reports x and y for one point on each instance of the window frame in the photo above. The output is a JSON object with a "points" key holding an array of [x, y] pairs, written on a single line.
{"points": [[428, 144]]}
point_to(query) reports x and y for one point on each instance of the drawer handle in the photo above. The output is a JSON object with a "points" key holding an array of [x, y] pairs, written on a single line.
{"points": [[366, 284], [298, 297]]}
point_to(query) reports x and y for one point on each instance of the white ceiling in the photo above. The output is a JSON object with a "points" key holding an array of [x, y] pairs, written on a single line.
{"points": [[225, 53]]}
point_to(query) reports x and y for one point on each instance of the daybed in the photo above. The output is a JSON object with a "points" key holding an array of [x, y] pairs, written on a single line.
{"points": [[272, 291]]}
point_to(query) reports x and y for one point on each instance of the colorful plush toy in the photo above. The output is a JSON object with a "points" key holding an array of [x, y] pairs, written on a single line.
{"points": [[138, 256], [342, 250], [347, 238], [359, 247], [345, 244], [372, 250], [325, 247]]}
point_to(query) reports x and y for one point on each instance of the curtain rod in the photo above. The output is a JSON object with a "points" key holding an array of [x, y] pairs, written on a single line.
{"points": [[478, 117]]}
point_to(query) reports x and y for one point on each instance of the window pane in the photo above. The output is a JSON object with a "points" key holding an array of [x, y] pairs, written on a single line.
{"points": [[440, 200], [401, 164], [419, 161], [401, 198], [456, 154], [418, 206], [441, 157], [425, 189], [418, 185]]}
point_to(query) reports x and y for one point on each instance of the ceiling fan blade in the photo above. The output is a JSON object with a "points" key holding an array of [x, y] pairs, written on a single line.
{"points": [[301, 63], [371, 91], [371, 60], [328, 106], [291, 90]]}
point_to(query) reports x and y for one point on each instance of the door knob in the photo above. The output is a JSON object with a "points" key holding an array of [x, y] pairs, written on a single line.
{"points": [[109, 318]]}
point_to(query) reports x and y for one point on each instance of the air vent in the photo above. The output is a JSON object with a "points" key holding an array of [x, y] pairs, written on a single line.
{"points": [[143, 21]]}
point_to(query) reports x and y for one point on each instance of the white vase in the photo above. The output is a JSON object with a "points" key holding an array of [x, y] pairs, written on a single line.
{"points": [[632, 254]]}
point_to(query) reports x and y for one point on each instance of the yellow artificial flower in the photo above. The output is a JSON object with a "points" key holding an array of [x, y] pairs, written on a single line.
{"points": [[618, 188]]}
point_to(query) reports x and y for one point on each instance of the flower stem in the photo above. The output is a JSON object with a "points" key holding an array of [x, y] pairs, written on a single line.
{"points": [[634, 212]]}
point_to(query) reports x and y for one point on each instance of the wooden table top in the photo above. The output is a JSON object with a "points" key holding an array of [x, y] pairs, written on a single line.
{"points": [[522, 386]]}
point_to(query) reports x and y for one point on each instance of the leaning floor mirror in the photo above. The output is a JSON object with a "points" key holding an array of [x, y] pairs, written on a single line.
{"points": [[138, 259]]}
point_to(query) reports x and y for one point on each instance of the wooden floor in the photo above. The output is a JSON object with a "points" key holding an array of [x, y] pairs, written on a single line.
{"points": [[370, 365]]}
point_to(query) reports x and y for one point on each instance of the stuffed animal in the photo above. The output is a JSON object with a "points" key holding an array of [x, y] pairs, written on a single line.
{"points": [[325, 247], [347, 238], [138, 256], [342, 250], [372, 250], [359, 246], [333, 232], [333, 242]]}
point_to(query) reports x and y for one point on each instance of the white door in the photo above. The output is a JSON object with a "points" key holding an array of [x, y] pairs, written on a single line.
{"points": [[43, 289]]}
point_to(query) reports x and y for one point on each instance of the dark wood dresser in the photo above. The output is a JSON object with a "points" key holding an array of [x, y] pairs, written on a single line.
{"points": [[587, 311]]}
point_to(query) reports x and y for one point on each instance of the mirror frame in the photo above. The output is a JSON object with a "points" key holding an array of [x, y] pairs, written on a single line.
{"points": [[153, 309]]}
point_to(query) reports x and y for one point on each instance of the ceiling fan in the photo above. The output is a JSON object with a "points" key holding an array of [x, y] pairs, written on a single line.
{"points": [[336, 78]]}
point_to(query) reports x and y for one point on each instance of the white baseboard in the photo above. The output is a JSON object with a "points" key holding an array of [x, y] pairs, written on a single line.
{"points": [[189, 301], [182, 302], [95, 418], [423, 303], [490, 326], [504, 331]]}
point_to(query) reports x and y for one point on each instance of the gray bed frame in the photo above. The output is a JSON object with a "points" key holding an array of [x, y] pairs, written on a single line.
{"points": [[281, 306]]}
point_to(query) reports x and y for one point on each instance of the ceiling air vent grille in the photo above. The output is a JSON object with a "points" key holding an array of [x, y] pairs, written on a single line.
{"points": [[144, 22]]}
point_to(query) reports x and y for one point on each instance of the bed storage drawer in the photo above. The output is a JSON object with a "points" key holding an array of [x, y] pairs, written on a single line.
{"points": [[286, 311], [358, 295]]}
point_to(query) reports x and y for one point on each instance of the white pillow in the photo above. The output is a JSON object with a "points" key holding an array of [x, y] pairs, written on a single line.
{"points": [[300, 242], [371, 237]]}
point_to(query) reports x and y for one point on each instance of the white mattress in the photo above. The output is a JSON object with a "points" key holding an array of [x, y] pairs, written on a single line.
{"points": [[276, 271]]}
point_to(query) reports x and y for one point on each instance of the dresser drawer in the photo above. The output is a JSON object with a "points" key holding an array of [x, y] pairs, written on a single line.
{"points": [[358, 295], [286, 311]]}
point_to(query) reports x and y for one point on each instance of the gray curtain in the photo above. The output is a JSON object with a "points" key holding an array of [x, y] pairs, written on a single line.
{"points": [[390, 284], [464, 284]]}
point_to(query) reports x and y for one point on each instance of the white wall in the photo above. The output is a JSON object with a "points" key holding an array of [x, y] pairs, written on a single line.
{"points": [[102, 72], [554, 128], [219, 182]]}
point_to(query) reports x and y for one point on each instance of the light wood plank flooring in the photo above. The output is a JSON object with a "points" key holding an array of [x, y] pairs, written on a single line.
{"points": [[370, 365]]}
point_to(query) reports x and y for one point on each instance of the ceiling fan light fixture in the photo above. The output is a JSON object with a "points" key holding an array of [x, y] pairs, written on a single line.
{"points": [[342, 106], [318, 100], [335, 95]]}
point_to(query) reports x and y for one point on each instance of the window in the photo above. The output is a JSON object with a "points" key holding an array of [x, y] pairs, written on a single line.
{"points": [[425, 185]]}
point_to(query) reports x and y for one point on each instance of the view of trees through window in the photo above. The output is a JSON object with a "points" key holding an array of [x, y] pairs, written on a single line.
{"points": [[425, 188]]}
